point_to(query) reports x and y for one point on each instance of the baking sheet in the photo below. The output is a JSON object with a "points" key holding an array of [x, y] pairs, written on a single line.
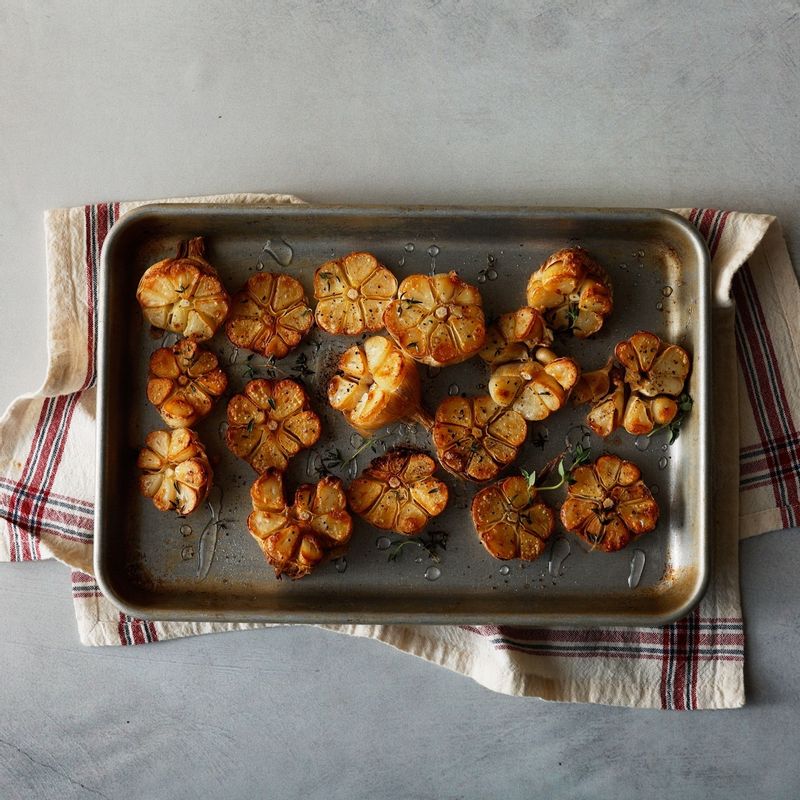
{"points": [[207, 566]]}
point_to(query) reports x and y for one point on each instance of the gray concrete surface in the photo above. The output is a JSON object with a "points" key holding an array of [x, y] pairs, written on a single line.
{"points": [[610, 103]]}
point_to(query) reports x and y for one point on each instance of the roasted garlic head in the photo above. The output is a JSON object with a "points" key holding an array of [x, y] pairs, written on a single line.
{"points": [[353, 293], [644, 396], [572, 291], [608, 504], [515, 335], [437, 319], [655, 373], [185, 382], [176, 473], [511, 520], [376, 384], [183, 295], [475, 438], [534, 388], [271, 422], [398, 492], [270, 315], [294, 539]]}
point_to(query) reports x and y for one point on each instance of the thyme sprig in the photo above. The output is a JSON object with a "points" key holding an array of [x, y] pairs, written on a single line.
{"points": [[432, 543], [685, 404], [334, 458], [580, 455]]}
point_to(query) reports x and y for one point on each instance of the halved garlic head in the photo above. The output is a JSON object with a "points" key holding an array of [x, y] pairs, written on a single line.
{"points": [[270, 315], [176, 473], [399, 492], [515, 335], [376, 384], [532, 388], [609, 505], [271, 422], [475, 437], [353, 293], [437, 319], [652, 366], [572, 291], [183, 295], [511, 520], [294, 539], [185, 382]]}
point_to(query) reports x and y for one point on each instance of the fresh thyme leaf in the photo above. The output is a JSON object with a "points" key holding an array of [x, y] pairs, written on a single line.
{"points": [[272, 404], [540, 440], [250, 425], [685, 405], [530, 478], [249, 372], [572, 314]]}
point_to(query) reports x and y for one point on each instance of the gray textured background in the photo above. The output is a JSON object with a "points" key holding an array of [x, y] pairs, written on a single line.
{"points": [[546, 103]]}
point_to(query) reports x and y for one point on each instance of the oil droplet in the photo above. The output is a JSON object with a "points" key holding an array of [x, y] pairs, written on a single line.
{"points": [[577, 435], [655, 489], [433, 251], [402, 261], [659, 306], [223, 427], [187, 553], [481, 277], [356, 440], [667, 291], [352, 469], [409, 248], [641, 443], [491, 275], [186, 530], [559, 553], [433, 371], [383, 543], [281, 251], [662, 462], [341, 564], [664, 447], [314, 464], [433, 574], [453, 389], [505, 569], [637, 567], [234, 356]]}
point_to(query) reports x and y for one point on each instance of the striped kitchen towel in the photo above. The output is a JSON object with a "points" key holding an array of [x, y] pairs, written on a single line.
{"points": [[47, 491]]}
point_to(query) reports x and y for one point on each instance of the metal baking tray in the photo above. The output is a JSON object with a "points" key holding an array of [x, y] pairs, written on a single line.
{"points": [[207, 567]]}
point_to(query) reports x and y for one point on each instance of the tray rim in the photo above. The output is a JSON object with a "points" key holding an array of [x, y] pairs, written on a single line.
{"points": [[702, 390]]}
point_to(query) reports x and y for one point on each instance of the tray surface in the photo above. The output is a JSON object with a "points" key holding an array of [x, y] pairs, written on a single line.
{"points": [[207, 566]]}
